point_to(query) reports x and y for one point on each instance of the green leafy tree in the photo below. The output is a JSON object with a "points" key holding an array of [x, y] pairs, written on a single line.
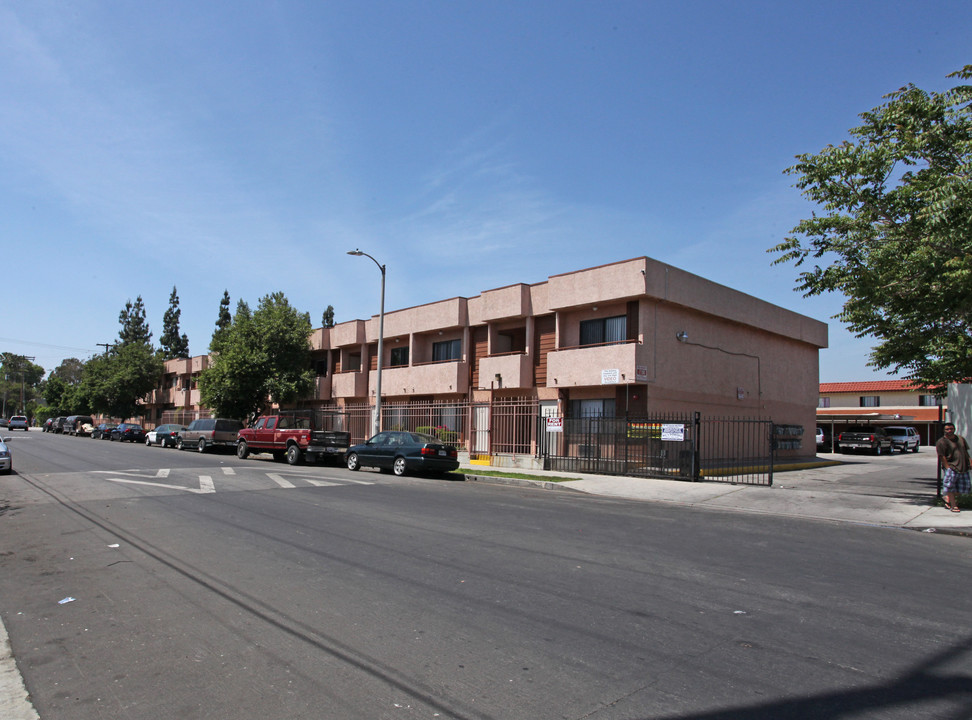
{"points": [[20, 381], [893, 231], [60, 388], [260, 357], [116, 382], [327, 319], [172, 343]]}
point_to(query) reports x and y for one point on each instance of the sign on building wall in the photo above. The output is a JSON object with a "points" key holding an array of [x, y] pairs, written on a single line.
{"points": [[610, 377], [641, 373]]}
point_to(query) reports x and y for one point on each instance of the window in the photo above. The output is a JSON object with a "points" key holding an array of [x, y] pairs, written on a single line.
{"points": [[823, 403], [604, 330], [320, 368], [354, 362], [870, 401], [929, 401], [399, 356], [446, 350], [593, 408]]}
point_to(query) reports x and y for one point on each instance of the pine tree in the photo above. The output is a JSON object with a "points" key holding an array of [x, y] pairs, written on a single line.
{"points": [[173, 344], [134, 327]]}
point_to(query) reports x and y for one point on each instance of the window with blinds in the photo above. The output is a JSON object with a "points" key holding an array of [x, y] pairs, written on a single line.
{"points": [[604, 330], [447, 350]]}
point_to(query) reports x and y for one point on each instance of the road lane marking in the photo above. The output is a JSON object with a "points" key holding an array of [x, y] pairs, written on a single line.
{"points": [[280, 481], [229, 471], [160, 473], [206, 484], [198, 491]]}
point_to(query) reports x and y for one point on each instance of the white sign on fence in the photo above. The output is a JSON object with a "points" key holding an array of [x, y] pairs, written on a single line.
{"points": [[555, 424], [675, 433]]}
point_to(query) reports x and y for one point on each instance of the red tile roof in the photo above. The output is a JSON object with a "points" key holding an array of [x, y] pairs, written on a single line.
{"points": [[870, 386]]}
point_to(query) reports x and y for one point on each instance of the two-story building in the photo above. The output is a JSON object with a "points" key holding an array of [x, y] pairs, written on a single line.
{"points": [[631, 338], [842, 405]]}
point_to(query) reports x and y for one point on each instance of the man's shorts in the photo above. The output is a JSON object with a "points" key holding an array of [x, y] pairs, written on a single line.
{"points": [[956, 482]]}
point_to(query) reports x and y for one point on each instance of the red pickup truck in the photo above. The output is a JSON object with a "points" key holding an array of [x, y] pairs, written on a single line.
{"points": [[295, 436]]}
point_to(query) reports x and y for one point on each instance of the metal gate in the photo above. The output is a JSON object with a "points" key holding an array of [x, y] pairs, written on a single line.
{"points": [[674, 447]]}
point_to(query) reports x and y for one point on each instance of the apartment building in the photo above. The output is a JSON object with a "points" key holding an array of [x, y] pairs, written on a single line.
{"points": [[633, 338], [883, 402]]}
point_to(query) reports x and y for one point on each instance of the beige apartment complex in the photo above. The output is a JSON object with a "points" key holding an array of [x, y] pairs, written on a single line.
{"points": [[842, 405], [631, 338]]}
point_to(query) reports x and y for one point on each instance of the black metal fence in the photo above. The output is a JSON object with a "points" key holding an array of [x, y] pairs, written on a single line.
{"points": [[677, 447]]}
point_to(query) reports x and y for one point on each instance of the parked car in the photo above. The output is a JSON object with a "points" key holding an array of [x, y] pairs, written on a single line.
{"points": [[403, 452], [75, 425], [6, 458], [128, 432], [903, 438], [58, 426], [825, 442], [48, 425], [103, 431], [205, 433], [872, 438], [4, 422], [164, 435], [18, 422]]}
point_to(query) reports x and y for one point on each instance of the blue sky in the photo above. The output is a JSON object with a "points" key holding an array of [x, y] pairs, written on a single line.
{"points": [[247, 146]]}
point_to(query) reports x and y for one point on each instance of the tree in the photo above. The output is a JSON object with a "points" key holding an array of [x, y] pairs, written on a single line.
{"points": [[115, 382], [894, 231], [173, 344], [132, 319], [327, 319], [19, 381], [223, 321], [259, 357], [60, 390]]}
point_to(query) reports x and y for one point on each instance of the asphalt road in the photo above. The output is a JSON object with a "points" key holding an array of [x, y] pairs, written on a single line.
{"points": [[202, 586]]}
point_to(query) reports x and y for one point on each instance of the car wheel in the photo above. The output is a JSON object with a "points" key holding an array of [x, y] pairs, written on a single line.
{"points": [[877, 450], [201, 447], [148, 443], [293, 455], [352, 462], [399, 466], [242, 450], [181, 445], [112, 438]]}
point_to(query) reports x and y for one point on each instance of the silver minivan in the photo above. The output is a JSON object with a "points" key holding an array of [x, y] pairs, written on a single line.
{"points": [[205, 433]]}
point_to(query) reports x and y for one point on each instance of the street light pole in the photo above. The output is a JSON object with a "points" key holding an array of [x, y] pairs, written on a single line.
{"points": [[376, 420]]}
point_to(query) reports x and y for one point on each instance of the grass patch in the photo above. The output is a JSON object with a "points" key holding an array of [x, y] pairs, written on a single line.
{"points": [[517, 476]]}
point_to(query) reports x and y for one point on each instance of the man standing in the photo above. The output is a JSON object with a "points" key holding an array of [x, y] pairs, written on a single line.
{"points": [[953, 456]]}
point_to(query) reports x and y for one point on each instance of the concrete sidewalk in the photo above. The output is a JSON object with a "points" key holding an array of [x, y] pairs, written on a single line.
{"points": [[816, 488]]}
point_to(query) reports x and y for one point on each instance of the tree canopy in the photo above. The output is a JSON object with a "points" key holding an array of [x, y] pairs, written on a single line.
{"points": [[893, 231], [261, 356], [19, 381], [114, 383]]}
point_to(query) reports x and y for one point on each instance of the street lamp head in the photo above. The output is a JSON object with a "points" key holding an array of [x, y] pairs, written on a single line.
{"points": [[355, 252]]}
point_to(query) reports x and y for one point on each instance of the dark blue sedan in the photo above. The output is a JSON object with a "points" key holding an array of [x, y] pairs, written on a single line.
{"points": [[403, 452]]}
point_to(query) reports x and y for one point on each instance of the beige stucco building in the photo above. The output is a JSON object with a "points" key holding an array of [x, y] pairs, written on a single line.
{"points": [[632, 338]]}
